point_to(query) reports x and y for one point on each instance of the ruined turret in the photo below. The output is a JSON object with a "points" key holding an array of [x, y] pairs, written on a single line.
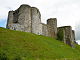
{"points": [[20, 19], [36, 20], [10, 19], [53, 23]]}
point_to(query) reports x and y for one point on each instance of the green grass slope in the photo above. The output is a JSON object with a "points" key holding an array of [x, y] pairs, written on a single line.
{"points": [[16, 45]]}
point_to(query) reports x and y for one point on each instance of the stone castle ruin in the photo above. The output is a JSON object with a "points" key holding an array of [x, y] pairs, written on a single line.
{"points": [[28, 19]]}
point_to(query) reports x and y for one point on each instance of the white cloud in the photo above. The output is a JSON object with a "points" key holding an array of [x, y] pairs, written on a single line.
{"points": [[78, 41], [3, 13]]}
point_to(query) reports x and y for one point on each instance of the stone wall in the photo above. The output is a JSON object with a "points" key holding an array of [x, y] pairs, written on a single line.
{"points": [[44, 29], [65, 34], [73, 35], [53, 30], [20, 17], [10, 19], [17, 27], [47, 30], [25, 17], [73, 38], [36, 21], [28, 19]]}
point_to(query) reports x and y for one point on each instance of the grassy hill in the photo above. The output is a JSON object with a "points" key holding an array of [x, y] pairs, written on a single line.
{"points": [[16, 45]]}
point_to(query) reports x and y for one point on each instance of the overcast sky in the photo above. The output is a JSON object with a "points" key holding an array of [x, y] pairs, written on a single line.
{"points": [[67, 12]]}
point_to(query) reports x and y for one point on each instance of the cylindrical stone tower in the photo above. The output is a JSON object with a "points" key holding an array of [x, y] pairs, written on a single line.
{"points": [[53, 23], [24, 17], [10, 19], [36, 20]]}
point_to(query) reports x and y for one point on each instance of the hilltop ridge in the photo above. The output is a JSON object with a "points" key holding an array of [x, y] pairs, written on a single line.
{"points": [[28, 46]]}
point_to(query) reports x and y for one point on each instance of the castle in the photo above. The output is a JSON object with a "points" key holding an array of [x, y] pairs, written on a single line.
{"points": [[28, 19]]}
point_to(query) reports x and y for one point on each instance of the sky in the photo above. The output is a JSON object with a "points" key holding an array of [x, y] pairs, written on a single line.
{"points": [[67, 12]]}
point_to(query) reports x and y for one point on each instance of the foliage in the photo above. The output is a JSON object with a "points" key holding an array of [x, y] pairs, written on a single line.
{"points": [[3, 56], [60, 35]]}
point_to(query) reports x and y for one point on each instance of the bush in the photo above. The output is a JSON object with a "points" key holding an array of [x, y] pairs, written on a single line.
{"points": [[17, 58], [3, 56]]}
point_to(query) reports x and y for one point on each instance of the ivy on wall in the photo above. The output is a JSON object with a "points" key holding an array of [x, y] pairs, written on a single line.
{"points": [[60, 35]]}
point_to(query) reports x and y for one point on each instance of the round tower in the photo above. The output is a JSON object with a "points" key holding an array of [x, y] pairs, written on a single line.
{"points": [[53, 23], [24, 17], [10, 19], [36, 20]]}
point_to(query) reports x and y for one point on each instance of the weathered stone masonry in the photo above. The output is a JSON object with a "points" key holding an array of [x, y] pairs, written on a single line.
{"points": [[28, 19], [66, 34]]}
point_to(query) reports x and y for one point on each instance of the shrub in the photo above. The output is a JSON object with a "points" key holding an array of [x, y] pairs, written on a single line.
{"points": [[3, 56]]}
